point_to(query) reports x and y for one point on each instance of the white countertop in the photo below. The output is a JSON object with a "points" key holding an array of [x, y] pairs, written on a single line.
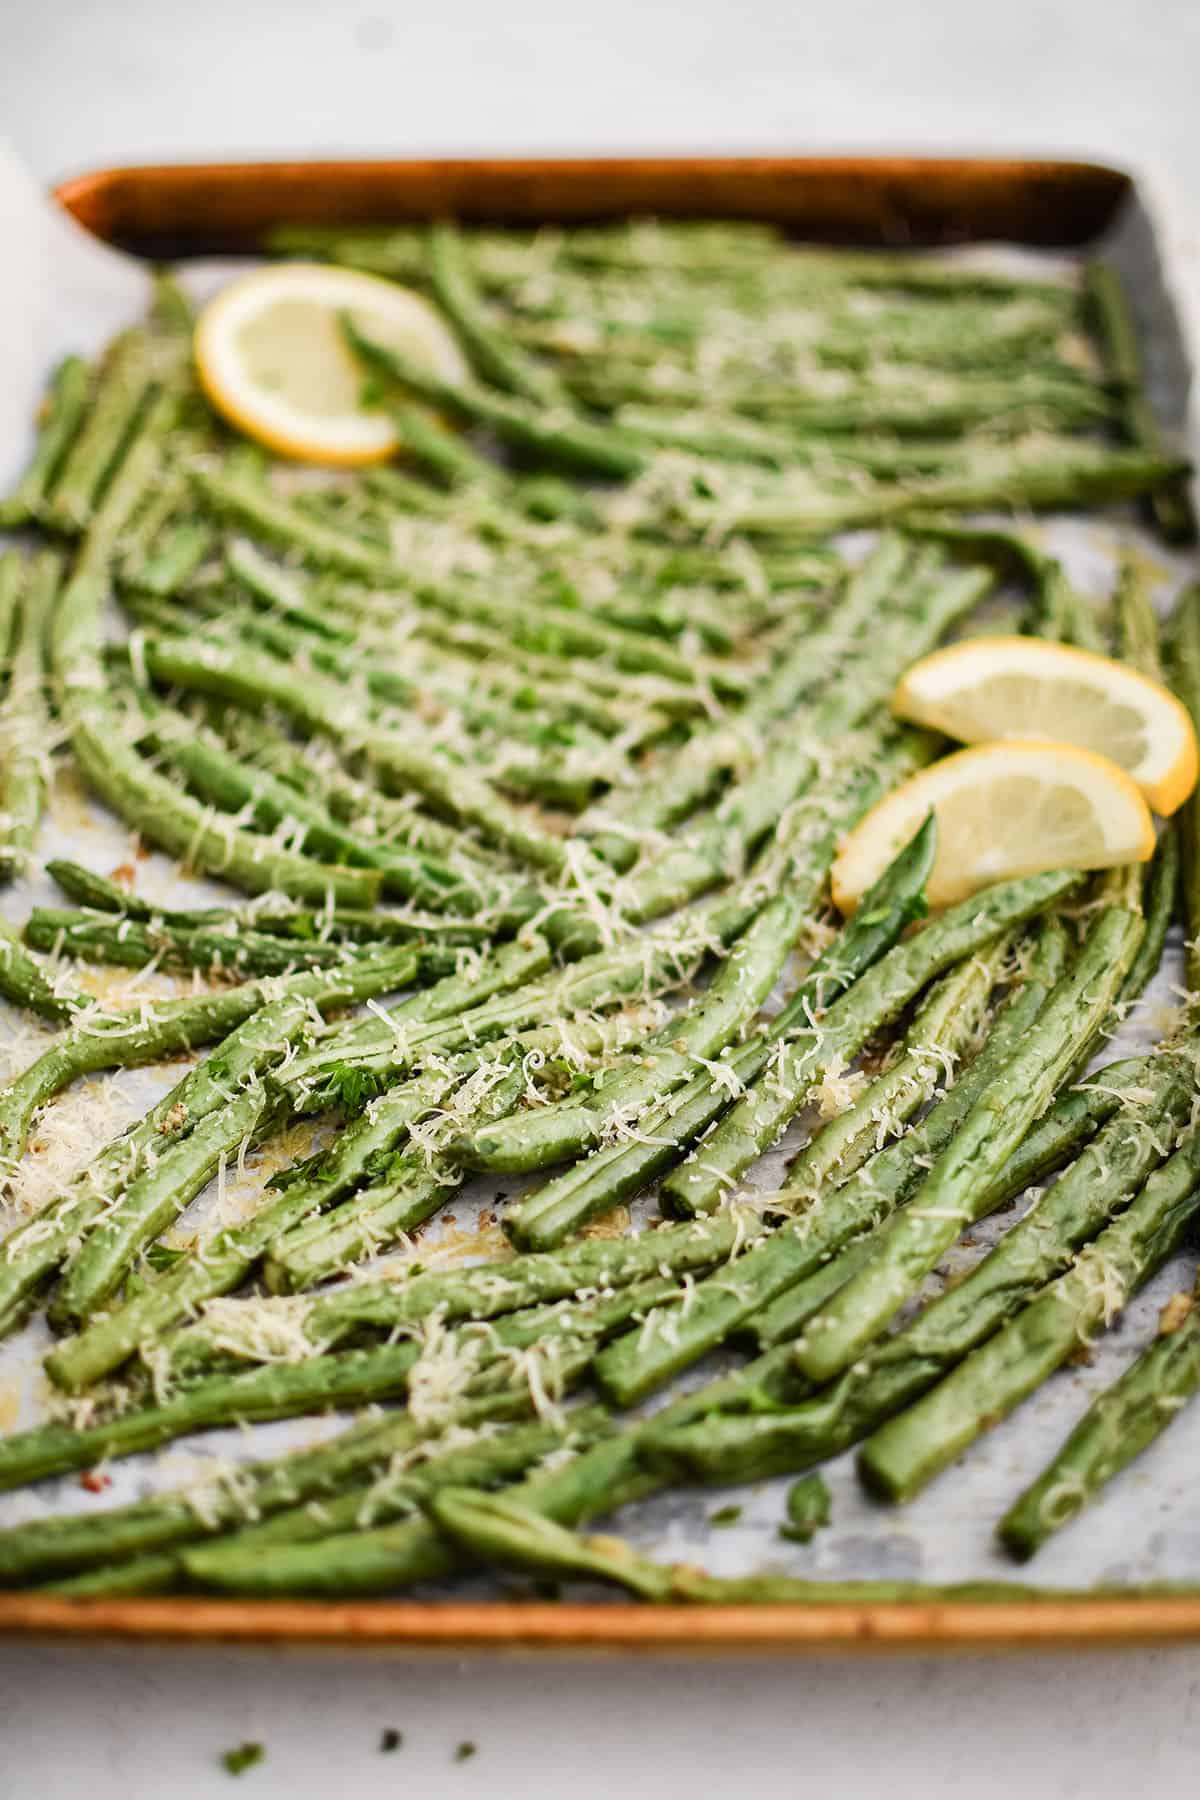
{"points": [[82, 84]]}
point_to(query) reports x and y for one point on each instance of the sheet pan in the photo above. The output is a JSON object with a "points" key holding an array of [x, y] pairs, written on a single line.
{"points": [[1148, 1528]]}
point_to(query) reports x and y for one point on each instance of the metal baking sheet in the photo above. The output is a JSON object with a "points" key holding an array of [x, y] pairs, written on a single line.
{"points": [[1145, 1529]]}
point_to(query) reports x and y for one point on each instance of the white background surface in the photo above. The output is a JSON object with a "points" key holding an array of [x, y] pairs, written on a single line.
{"points": [[83, 82]]}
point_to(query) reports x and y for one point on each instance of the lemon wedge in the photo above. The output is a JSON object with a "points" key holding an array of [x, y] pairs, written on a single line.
{"points": [[1003, 810], [271, 357], [991, 689]]}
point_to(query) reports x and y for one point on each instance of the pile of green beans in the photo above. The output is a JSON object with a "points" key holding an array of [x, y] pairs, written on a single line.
{"points": [[524, 759]]}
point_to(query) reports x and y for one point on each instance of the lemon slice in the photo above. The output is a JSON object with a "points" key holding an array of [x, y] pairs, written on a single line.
{"points": [[271, 357], [988, 689], [1003, 810]]}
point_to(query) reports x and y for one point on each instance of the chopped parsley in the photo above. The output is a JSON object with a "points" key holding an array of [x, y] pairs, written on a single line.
{"points": [[809, 1506], [243, 1757]]}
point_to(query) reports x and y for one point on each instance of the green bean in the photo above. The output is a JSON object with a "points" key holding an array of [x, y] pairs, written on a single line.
{"points": [[1120, 1423], [122, 1040], [122, 389], [318, 703], [758, 1119], [903, 1455], [146, 799], [230, 785], [127, 487], [496, 359], [1185, 676], [280, 1391], [612, 1174], [253, 1330], [742, 983], [1159, 903], [691, 772], [751, 806], [1057, 1136], [945, 1202], [12, 578], [799, 1248], [25, 730], [59, 420], [1113, 322], [552, 431], [154, 1201], [25, 981]]}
